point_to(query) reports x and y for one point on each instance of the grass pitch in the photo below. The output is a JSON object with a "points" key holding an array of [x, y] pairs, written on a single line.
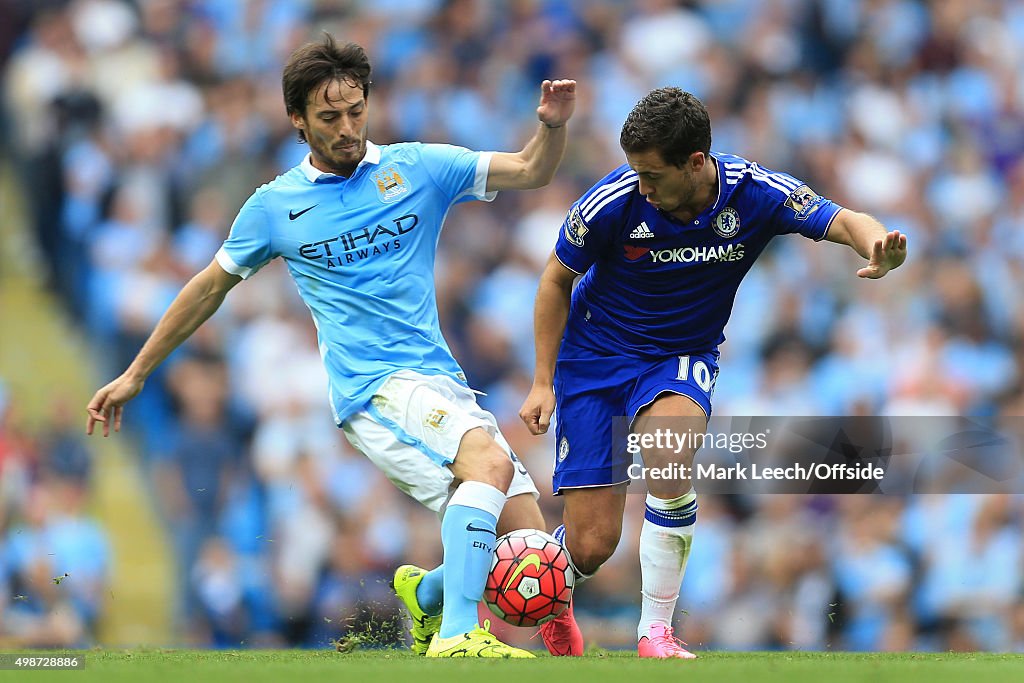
{"points": [[307, 666]]}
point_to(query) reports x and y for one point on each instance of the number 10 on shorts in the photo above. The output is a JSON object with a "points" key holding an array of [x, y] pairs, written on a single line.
{"points": [[701, 373]]}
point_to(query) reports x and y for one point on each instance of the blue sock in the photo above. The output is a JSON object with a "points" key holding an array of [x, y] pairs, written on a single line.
{"points": [[430, 592], [468, 534]]}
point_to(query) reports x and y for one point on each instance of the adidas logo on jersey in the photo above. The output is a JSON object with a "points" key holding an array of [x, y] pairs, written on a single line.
{"points": [[641, 232]]}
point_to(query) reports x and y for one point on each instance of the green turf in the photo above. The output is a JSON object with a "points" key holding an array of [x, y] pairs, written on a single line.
{"points": [[304, 666]]}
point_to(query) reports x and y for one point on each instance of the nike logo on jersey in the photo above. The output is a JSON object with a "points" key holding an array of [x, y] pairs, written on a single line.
{"points": [[470, 527], [292, 215], [641, 232]]}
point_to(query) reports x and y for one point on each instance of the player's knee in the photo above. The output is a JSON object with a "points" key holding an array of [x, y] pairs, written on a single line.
{"points": [[480, 458], [500, 468], [487, 463]]}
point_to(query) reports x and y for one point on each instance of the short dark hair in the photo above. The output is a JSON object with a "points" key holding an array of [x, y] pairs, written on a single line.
{"points": [[313, 64], [668, 120]]}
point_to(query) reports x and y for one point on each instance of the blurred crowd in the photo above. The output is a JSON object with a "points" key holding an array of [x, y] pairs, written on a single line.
{"points": [[137, 128]]}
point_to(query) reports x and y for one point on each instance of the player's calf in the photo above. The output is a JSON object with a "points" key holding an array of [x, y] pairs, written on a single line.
{"points": [[589, 552], [593, 524]]}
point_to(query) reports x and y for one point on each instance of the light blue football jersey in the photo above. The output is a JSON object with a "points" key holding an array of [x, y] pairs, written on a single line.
{"points": [[361, 251]]}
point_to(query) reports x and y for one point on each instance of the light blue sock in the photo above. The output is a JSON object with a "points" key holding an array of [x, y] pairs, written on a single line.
{"points": [[468, 534], [430, 592]]}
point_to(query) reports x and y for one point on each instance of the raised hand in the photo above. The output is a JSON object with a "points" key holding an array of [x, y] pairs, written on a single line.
{"points": [[557, 102], [887, 253]]}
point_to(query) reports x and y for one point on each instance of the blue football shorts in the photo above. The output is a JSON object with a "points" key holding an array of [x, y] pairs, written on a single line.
{"points": [[592, 391]]}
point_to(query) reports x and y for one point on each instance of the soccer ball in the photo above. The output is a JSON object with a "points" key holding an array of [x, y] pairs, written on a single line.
{"points": [[531, 579]]}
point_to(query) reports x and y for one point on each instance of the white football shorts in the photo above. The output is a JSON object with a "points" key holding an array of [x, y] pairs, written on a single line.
{"points": [[412, 429]]}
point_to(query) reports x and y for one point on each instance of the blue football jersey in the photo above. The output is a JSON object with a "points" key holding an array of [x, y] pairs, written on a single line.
{"points": [[655, 286], [361, 251]]}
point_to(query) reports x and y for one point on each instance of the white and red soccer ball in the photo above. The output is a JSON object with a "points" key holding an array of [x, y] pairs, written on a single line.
{"points": [[531, 579]]}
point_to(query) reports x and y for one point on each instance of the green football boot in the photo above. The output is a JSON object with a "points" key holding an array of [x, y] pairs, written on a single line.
{"points": [[479, 642], [407, 578]]}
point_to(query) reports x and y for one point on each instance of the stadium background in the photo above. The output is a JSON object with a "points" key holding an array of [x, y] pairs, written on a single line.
{"points": [[232, 513]]}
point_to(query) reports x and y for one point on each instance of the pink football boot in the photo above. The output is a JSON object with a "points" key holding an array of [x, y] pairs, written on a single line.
{"points": [[661, 644], [562, 636]]}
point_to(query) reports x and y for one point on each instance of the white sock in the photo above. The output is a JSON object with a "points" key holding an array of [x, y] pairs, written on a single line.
{"points": [[665, 540]]}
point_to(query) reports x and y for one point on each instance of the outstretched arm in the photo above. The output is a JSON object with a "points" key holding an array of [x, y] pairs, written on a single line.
{"points": [[536, 164], [196, 302], [883, 249], [551, 311]]}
